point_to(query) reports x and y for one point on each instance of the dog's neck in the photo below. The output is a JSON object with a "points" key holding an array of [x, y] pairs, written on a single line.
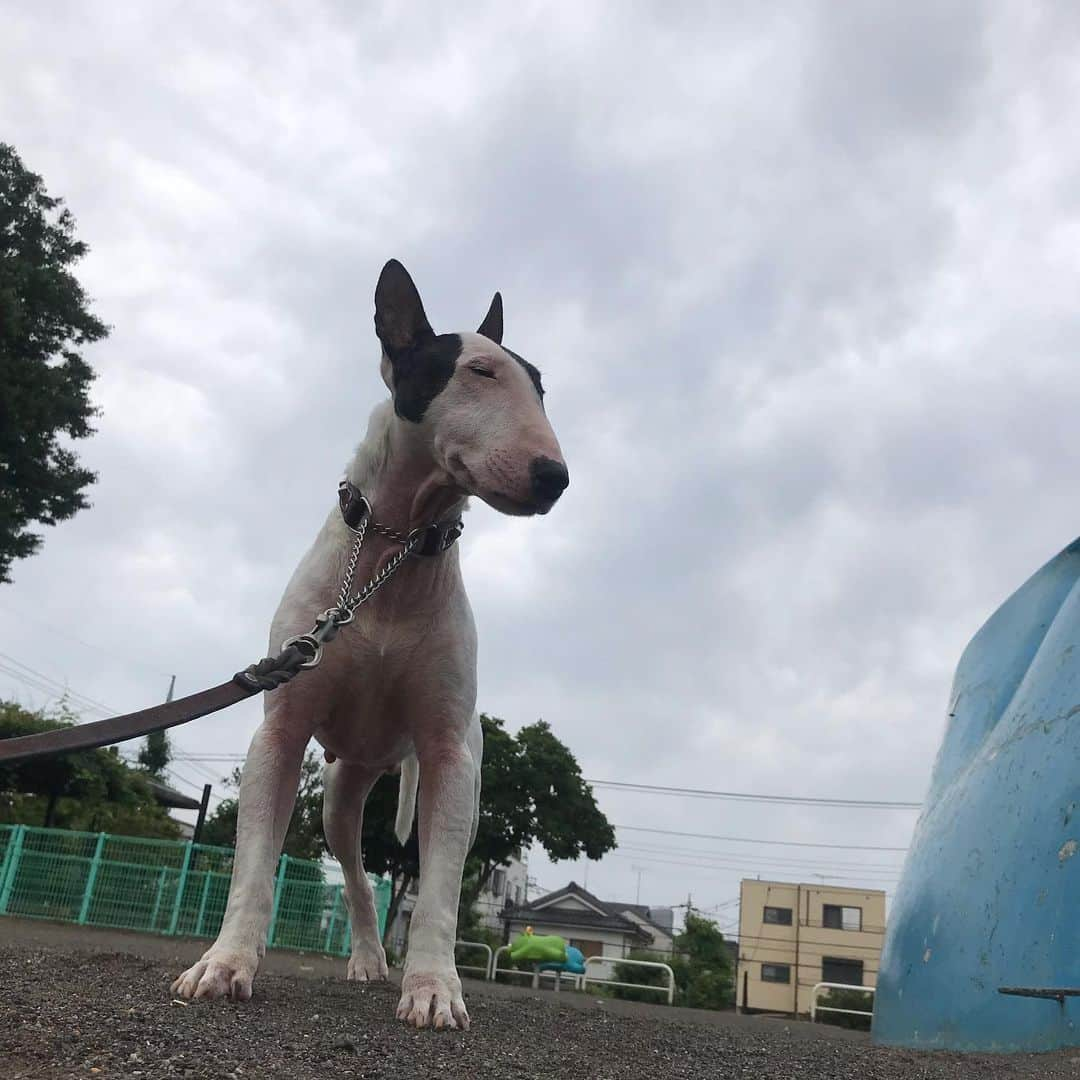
{"points": [[396, 469]]}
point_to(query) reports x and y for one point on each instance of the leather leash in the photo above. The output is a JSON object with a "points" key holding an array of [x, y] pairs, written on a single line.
{"points": [[297, 653]]}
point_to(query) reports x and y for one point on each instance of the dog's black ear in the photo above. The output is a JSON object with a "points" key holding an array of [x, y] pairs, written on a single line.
{"points": [[492, 326], [400, 322]]}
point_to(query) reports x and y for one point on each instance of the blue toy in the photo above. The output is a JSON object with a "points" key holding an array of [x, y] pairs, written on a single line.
{"points": [[991, 888], [574, 962]]}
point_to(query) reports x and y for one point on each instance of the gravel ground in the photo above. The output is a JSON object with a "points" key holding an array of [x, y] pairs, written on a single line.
{"points": [[77, 1003]]}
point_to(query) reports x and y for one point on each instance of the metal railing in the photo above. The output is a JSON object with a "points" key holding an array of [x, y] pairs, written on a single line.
{"points": [[486, 969], [163, 887], [496, 971], [669, 989], [815, 1008]]}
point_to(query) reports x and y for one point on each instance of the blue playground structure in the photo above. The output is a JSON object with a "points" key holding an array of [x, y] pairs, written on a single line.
{"points": [[990, 896]]}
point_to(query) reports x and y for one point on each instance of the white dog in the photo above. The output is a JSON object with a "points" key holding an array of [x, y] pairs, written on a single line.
{"points": [[399, 684]]}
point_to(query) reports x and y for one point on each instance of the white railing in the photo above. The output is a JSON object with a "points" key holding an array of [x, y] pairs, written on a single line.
{"points": [[815, 1008], [496, 971], [485, 971], [531, 973], [669, 989]]}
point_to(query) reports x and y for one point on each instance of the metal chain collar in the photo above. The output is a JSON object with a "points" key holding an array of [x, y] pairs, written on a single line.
{"points": [[305, 650], [330, 621]]}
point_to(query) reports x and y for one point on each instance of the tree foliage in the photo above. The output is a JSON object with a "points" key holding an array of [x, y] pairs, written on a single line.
{"points": [[155, 753], [701, 963], [856, 1000], [629, 973], [704, 976], [91, 790], [304, 838], [44, 401], [532, 792]]}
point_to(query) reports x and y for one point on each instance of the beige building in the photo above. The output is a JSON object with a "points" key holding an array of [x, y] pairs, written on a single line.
{"points": [[793, 936]]}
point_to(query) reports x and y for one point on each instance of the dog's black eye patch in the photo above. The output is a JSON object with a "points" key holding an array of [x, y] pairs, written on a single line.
{"points": [[421, 374], [531, 371]]}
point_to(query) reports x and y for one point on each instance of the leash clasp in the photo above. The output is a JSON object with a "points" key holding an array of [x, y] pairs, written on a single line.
{"points": [[325, 629]]}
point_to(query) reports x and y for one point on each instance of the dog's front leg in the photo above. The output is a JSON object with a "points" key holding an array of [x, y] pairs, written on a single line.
{"points": [[430, 988], [267, 795]]}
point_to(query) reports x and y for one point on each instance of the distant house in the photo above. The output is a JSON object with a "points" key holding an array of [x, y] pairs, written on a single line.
{"points": [[597, 927], [507, 887], [173, 800]]}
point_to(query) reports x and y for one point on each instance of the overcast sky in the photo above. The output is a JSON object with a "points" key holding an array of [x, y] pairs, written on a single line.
{"points": [[801, 280]]}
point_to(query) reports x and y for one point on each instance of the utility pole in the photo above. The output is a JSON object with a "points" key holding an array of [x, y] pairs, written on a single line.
{"points": [[172, 687], [639, 870], [195, 836]]}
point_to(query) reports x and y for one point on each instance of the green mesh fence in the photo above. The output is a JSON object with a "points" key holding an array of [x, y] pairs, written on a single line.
{"points": [[163, 887]]}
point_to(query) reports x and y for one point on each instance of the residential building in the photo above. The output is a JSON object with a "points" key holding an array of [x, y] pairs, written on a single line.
{"points": [[792, 936], [596, 927], [508, 886]]}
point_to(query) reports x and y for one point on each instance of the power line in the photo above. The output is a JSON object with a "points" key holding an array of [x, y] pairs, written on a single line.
{"points": [[176, 777], [43, 683], [772, 860], [749, 840], [97, 705], [743, 796], [224, 761], [838, 874], [111, 653]]}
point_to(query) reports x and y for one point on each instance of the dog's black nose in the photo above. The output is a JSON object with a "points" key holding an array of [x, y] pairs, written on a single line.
{"points": [[549, 479]]}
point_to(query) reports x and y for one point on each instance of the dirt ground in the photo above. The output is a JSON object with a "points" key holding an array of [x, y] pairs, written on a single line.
{"points": [[79, 1003]]}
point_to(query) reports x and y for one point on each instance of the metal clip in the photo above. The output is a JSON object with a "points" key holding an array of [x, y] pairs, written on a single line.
{"points": [[305, 643], [325, 629]]}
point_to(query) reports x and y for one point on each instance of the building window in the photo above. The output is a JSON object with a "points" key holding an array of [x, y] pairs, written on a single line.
{"points": [[837, 969], [498, 882], [517, 895], [778, 916], [776, 973], [835, 917], [587, 948]]}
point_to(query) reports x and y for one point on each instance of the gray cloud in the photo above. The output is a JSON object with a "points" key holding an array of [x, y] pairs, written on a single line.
{"points": [[801, 283]]}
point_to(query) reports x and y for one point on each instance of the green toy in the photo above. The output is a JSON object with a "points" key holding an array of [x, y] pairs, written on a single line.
{"points": [[540, 949]]}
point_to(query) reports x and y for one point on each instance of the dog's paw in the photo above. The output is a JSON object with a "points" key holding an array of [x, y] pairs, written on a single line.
{"points": [[368, 962], [220, 973], [432, 998]]}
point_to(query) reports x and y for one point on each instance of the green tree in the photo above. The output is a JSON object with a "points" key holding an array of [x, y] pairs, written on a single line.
{"points": [[533, 792], [629, 973], [856, 1000], [44, 321], [91, 789], [155, 753], [704, 978], [304, 838]]}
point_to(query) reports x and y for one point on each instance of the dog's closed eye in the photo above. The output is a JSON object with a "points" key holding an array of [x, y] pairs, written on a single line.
{"points": [[483, 370]]}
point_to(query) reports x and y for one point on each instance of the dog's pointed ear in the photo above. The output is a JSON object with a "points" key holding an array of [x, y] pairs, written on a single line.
{"points": [[492, 326], [400, 322]]}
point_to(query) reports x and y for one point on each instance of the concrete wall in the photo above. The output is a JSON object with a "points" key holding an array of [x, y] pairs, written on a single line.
{"points": [[802, 945]]}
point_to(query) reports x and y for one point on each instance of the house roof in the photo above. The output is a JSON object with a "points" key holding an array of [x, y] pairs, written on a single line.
{"points": [[167, 796], [643, 912], [598, 913]]}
